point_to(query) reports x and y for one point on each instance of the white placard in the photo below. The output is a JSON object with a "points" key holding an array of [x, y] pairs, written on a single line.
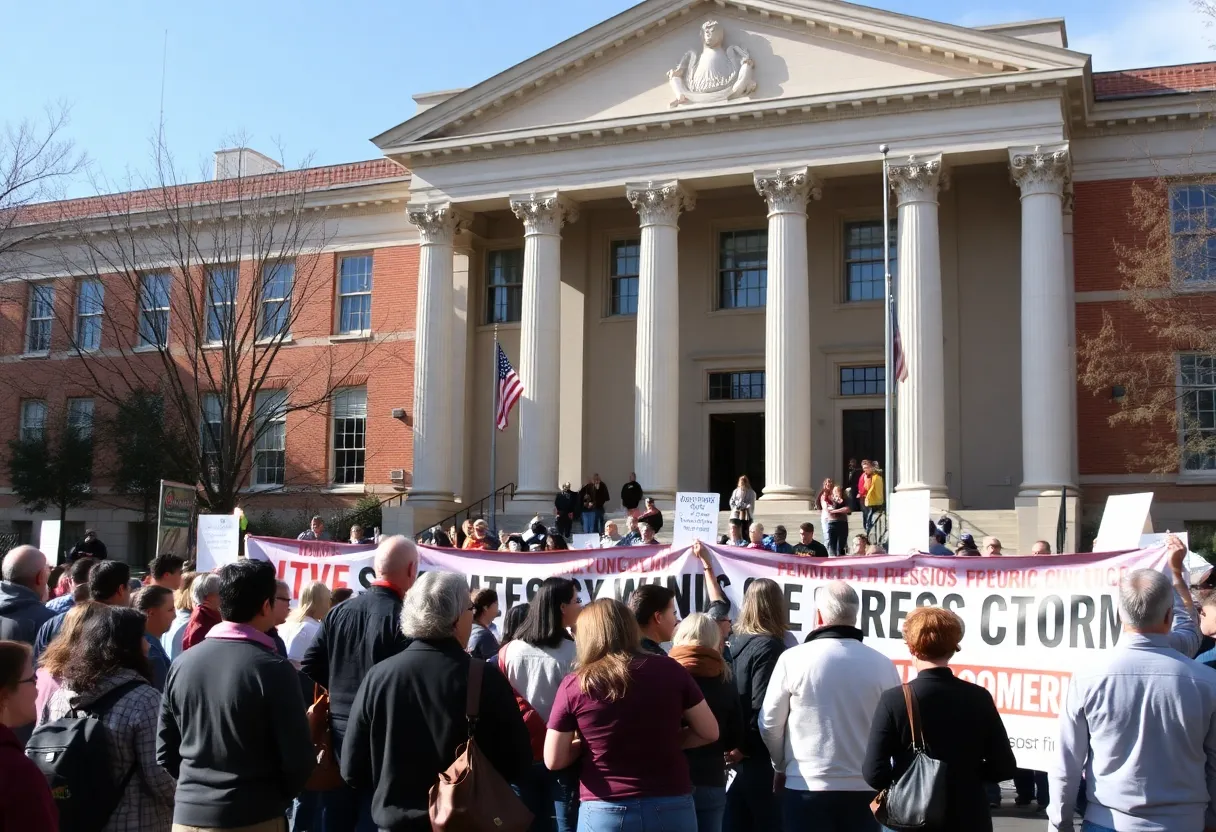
{"points": [[1192, 560], [585, 541], [1124, 521], [218, 540], [908, 522], [48, 539], [696, 518]]}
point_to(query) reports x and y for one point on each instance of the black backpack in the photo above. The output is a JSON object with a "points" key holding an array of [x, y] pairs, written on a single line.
{"points": [[73, 752]]}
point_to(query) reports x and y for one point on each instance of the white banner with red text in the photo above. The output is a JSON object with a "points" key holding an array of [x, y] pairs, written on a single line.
{"points": [[1030, 621]]}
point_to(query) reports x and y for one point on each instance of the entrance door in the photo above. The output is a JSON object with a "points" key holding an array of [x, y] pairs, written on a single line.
{"points": [[864, 437], [736, 448]]}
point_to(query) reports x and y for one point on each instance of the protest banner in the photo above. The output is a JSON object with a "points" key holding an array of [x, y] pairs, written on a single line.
{"points": [[696, 518], [219, 540], [1030, 621], [175, 514]]}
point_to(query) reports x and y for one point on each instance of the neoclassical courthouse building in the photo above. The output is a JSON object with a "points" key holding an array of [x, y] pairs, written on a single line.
{"points": [[673, 223]]}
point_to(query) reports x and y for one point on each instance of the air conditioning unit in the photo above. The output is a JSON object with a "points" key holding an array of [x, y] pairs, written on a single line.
{"points": [[398, 412], [397, 474]]}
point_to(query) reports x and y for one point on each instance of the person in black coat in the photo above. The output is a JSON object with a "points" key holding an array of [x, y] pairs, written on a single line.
{"points": [[408, 719], [959, 722], [631, 495], [758, 641], [566, 507]]}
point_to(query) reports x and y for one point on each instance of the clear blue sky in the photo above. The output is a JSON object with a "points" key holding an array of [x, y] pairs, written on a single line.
{"points": [[318, 79]]}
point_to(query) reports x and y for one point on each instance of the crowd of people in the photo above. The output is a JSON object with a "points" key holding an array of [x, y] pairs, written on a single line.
{"points": [[203, 684]]}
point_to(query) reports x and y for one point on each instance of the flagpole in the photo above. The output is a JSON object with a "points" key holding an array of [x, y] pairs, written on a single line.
{"points": [[494, 438], [888, 341]]}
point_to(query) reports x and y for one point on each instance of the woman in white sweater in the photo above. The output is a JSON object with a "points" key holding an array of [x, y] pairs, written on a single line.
{"points": [[304, 621]]}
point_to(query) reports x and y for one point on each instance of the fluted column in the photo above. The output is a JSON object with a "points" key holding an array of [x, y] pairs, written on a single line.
{"points": [[657, 362], [540, 341], [434, 396], [1047, 394], [921, 399], [787, 339]]}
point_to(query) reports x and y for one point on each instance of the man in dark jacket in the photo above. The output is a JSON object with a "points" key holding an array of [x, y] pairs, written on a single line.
{"points": [[409, 719], [109, 583], [91, 547], [565, 506], [232, 725], [23, 592], [353, 638], [631, 495], [593, 497]]}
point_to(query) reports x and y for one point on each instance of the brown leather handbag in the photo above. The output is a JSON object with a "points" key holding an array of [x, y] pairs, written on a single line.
{"points": [[326, 776], [471, 796]]}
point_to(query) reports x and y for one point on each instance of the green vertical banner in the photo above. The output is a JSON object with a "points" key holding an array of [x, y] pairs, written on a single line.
{"points": [[177, 505]]}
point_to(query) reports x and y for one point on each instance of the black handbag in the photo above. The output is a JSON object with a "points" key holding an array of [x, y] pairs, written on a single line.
{"points": [[917, 800]]}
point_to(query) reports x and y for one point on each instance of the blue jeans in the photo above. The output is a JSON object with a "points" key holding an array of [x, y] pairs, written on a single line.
{"points": [[829, 811], [344, 810], [563, 796], [1028, 782], [639, 814], [303, 814], [710, 803], [1093, 827], [588, 522], [750, 802]]}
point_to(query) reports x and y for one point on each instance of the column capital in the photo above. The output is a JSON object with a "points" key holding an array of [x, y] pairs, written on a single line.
{"points": [[786, 190], [1042, 169], [438, 222], [659, 203], [919, 178], [543, 213]]}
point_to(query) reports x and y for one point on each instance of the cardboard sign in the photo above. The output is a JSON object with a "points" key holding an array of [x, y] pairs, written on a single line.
{"points": [[909, 522], [48, 539], [585, 541], [1124, 520], [218, 540], [696, 518]]}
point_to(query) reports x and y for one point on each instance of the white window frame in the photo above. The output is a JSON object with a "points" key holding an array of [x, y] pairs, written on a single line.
{"points": [[221, 309], [720, 272], [492, 288], [33, 420], [347, 403], [270, 409], [846, 261], [40, 314], [154, 317], [614, 279], [90, 318], [80, 416], [1204, 234], [1185, 389], [283, 304], [343, 296]]}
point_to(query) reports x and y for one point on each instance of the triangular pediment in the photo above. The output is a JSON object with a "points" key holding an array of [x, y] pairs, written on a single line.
{"points": [[797, 48]]}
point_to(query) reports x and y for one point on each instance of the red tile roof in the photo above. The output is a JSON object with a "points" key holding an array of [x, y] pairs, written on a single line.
{"points": [[195, 193], [1156, 80]]}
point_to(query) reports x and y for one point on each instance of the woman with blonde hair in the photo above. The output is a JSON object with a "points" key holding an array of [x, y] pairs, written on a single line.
{"points": [[695, 647], [616, 696], [304, 622], [183, 602], [759, 639], [742, 501]]}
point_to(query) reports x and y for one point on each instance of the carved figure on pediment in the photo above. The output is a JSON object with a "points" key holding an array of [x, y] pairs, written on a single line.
{"points": [[718, 73]]}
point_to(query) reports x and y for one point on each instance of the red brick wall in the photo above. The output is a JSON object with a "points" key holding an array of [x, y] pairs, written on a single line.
{"points": [[385, 368]]}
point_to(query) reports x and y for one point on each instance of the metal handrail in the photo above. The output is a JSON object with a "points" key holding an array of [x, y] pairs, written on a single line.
{"points": [[499, 497]]}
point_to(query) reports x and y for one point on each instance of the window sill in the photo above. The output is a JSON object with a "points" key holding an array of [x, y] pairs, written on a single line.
{"points": [[741, 310], [1196, 478], [213, 346], [153, 348], [1193, 287], [616, 319], [843, 305], [502, 326], [350, 336], [29, 355], [357, 488], [282, 340], [260, 489]]}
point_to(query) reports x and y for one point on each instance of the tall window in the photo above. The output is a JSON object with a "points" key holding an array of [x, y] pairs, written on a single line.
{"points": [[1197, 374], [221, 301], [626, 256], [33, 420], [728, 386], [154, 310], [742, 269], [504, 285], [270, 443], [864, 274], [90, 306], [38, 325], [350, 434], [80, 417], [863, 381], [277, 280], [355, 295], [211, 431], [1193, 224]]}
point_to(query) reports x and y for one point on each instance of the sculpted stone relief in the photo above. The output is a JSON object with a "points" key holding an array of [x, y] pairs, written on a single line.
{"points": [[717, 73]]}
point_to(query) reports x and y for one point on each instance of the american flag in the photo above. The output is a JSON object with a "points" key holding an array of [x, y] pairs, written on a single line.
{"points": [[901, 366], [510, 388]]}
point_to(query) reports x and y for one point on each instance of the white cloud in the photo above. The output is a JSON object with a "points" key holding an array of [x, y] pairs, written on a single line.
{"points": [[1138, 34]]}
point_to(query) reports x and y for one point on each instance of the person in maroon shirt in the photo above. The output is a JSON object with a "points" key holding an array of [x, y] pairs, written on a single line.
{"points": [[629, 709], [25, 798]]}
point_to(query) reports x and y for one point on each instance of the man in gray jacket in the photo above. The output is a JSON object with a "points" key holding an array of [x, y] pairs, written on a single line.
{"points": [[1141, 724], [23, 594]]}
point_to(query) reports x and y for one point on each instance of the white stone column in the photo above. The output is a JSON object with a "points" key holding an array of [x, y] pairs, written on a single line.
{"points": [[1047, 380], [438, 224], [540, 342], [921, 399], [787, 339], [656, 395]]}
